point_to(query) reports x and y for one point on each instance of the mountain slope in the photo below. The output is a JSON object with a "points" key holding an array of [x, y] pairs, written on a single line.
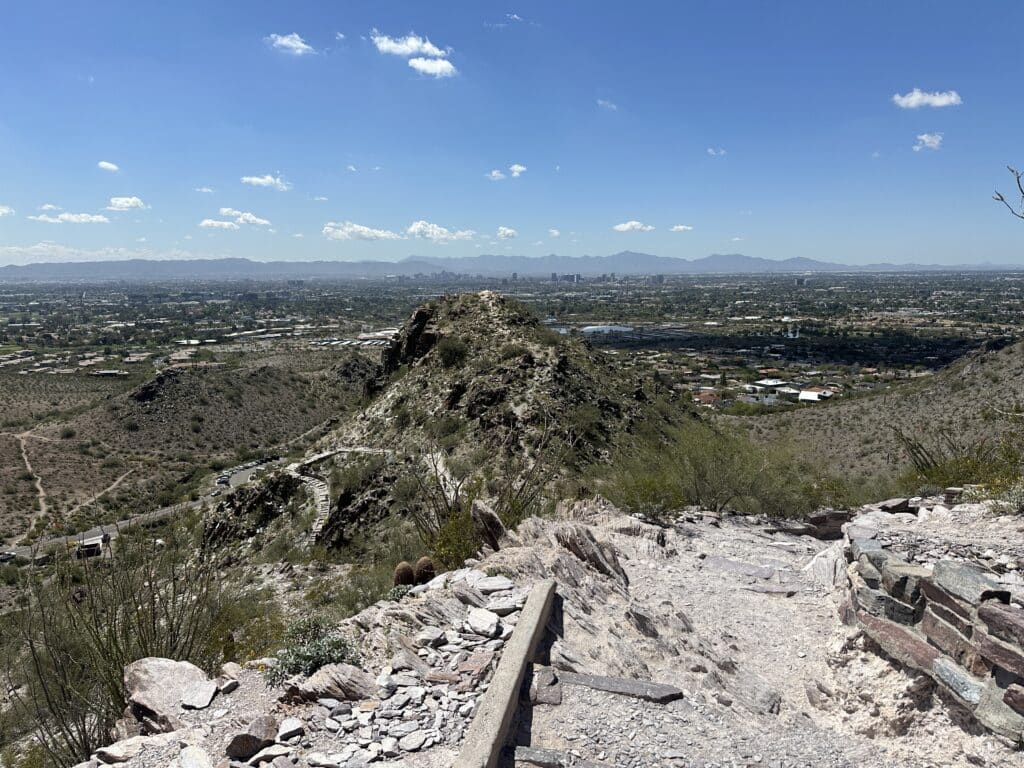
{"points": [[972, 400]]}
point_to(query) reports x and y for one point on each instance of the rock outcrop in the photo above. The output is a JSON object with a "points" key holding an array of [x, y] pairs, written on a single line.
{"points": [[953, 621]]}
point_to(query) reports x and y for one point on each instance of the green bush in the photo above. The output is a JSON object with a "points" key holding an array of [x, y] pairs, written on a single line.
{"points": [[309, 645], [452, 351], [67, 649], [456, 541], [697, 464]]}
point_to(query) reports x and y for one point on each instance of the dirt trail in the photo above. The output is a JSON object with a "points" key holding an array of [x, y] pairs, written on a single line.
{"points": [[750, 601], [40, 513], [92, 499]]}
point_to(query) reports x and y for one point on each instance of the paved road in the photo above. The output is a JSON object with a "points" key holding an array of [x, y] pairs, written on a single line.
{"points": [[57, 543], [149, 518]]}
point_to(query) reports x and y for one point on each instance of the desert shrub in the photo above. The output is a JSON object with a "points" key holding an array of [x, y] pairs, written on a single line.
{"points": [[698, 464], [67, 649], [456, 540], [398, 592], [452, 351], [511, 350], [356, 474], [943, 458], [9, 574], [442, 427], [310, 643], [66, 433]]}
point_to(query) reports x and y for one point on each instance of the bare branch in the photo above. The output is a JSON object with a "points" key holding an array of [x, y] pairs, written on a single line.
{"points": [[999, 198]]}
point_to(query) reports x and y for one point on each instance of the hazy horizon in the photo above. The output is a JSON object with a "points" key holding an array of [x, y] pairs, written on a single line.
{"points": [[375, 132]]}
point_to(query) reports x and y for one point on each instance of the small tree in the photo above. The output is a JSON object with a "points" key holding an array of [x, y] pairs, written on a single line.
{"points": [[66, 651]]}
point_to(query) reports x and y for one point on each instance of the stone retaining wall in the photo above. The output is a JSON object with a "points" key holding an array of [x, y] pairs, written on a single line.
{"points": [[953, 622]]}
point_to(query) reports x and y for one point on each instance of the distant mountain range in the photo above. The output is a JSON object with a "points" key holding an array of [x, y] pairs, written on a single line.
{"points": [[624, 263]]}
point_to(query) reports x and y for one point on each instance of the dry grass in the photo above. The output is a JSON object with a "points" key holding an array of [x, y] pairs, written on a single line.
{"points": [[974, 399], [87, 433]]}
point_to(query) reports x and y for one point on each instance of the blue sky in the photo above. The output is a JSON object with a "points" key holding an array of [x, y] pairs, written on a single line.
{"points": [[377, 130]]}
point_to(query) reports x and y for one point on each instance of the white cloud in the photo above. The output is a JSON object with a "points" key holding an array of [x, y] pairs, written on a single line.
{"points": [[320, 199], [682, 228], [517, 170], [338, 36], [918, 98], [632, 226], [410, 45], [298, 235], [106, 165], [928, 141], [274, 182], [737, 239], [6, 210], [244, 217], [554, 233], [506, 233], [125, 203], [72, 218], [611, 106], [292, 44], [434, 67], [350, 168], [496, 175], [214, 224], [50, 207], [513, 17], [435, 233], [204, 190], [350, 231], [716, 152]]}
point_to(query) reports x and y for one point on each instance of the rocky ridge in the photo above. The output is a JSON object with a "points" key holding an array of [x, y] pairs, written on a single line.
{"points": [[708, 642]]}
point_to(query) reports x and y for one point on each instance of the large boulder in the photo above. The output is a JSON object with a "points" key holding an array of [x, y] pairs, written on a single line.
{"points": [[155, 688]]}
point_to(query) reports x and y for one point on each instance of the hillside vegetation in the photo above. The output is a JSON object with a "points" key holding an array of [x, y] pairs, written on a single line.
{"points": [[976, 401], [103, 452]]}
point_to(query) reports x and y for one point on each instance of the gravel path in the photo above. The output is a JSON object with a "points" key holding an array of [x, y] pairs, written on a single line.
{"points": [[749, 600]]}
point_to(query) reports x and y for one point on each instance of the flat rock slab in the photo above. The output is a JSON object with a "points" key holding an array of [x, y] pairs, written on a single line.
{"points": [[968, 582], [659, 693], [743, 569], [491, 584], [198, 695], [541, 758]]}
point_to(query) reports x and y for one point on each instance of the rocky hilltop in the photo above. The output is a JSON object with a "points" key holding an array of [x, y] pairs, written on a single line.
{"points": [[707, 641]]}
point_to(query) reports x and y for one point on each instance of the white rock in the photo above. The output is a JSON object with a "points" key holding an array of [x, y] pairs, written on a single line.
{"points": [[290, 728], [194, 757], [483, 622], [413, 742], [198, 695], [494, 584]]}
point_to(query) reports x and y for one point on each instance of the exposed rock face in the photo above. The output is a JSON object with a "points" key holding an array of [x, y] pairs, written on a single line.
{"points": [[249, 509], [954, 622], [155, 688]]}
